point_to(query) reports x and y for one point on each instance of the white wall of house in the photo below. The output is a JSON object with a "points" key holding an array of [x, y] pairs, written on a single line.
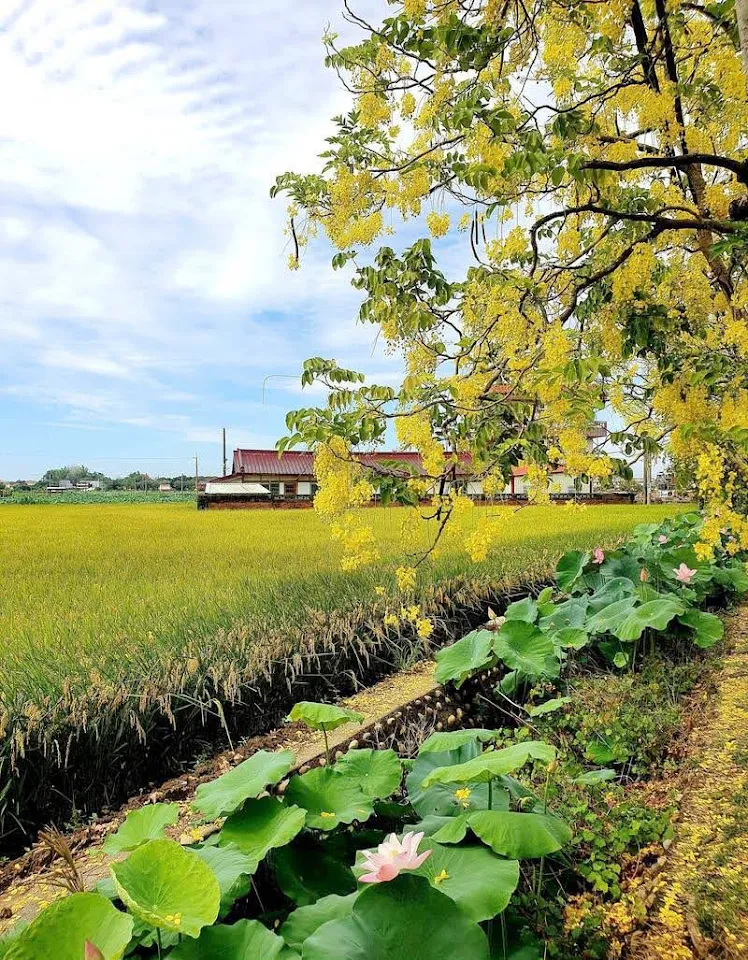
{"points": [[304, 488]]}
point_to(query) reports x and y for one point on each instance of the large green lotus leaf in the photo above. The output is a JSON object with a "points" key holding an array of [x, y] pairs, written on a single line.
{"points": [[323, 716], [404, 919], [611, 592], [377, 772], [733, 576], [60, 931], [620, 563], [474, 877], [570, 613], [525, 610], [441, 742], [328, 799], [140, 826], [708, 628], [244, 940], [305, 921], [261, 825], [570, 638], [221, 797], [169, 887], [233, 870], [460, 660], [569, 569], [519, 835], [608, 618], [308, 869], [440, 800], [523, 647], [656, 614], [492, 764]]}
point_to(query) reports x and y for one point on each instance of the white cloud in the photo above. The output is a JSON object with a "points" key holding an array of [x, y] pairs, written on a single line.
{"points": [[142, 263]]}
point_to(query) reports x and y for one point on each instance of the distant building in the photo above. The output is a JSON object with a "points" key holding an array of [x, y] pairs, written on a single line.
{"points": [[267, 478], [88, 485], [165, 488], [62, 486]]}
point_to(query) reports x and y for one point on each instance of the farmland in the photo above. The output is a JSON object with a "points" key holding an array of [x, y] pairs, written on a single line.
{"points": [[112, 613]]}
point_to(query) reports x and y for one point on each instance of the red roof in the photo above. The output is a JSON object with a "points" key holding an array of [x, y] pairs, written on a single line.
{"points": [[268, 462], [293, 463]]}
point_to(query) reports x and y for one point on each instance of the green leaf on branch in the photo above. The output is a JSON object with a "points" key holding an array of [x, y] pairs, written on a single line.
{"points": [[655, 615]]}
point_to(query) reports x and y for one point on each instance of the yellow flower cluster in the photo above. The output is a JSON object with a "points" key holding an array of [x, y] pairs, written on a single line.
{"points": [[341, 480], [406, 579], [438, 223], [358, 543]]}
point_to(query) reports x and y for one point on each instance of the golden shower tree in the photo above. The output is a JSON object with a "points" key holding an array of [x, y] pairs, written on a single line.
{"points": [[586, 162]]}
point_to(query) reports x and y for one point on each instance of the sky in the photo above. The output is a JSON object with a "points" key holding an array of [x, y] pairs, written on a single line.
{"points": [[145, 296]]}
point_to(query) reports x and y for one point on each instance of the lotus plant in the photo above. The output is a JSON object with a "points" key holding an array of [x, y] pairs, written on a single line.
{"points": [[393, 856], [684, 573]]}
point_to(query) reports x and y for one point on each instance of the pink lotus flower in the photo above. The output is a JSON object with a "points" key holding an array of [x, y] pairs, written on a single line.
{"points": [[663, 539], [392, 856], [684, 574], [92, 952], [598, 555], [644, 575]]}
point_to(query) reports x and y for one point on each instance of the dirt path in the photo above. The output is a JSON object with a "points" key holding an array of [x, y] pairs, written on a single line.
{"points": [[699, 900]]}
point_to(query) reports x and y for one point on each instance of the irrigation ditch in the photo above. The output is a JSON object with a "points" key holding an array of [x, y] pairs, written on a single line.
{"points": [[400, 712], [92, 768]]}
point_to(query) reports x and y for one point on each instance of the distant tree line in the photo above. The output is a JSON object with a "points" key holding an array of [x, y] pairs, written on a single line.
{"points": [[77, 473]]}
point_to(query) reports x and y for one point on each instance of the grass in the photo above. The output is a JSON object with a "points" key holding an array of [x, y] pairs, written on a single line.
{"points": [[119, 620]]}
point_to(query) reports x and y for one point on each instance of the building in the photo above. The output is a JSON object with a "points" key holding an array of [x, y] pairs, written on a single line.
{"points": [[265, 478]]}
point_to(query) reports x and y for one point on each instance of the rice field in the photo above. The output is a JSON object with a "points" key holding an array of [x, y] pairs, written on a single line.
{"points": [[110, 611]]}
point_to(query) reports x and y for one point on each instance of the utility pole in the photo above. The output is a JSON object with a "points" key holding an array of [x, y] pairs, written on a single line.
{"points": [[196, 473], [223, 436], [647, 478]]}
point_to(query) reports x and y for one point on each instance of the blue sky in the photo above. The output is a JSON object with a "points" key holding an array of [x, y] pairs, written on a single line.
{"points": [[145, 294]]}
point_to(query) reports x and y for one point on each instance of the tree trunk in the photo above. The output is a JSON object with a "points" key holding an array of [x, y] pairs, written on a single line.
{"points": [[741, 12]]}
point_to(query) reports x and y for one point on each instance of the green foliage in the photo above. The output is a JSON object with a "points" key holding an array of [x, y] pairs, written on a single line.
{"points": [[460, 660], [441, 742], [61, 931], [329, 798], [147, 823], [168, 887], [323, 716], [233, 870], [226, 794], [396, 920], [305, 921], [239, 941], [492, 764], [377, 773], [262, 825]]}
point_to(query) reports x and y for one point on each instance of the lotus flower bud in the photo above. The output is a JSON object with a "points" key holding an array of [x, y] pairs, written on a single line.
{"points": [[92, 952]]}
